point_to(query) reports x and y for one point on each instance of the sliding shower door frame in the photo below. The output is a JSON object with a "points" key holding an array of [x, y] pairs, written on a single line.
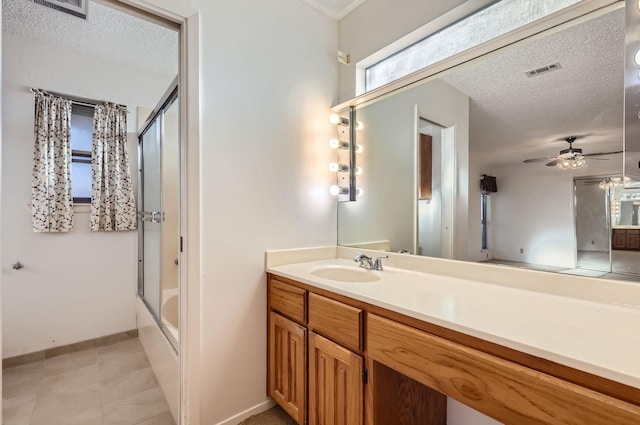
{"points": [[157, 115]]}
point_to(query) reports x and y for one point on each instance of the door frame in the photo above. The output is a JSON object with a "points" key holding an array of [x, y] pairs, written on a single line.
{"points": [[187, 19]]}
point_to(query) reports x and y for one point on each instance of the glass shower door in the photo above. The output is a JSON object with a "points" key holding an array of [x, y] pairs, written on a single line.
{"points": [[151, 216]]}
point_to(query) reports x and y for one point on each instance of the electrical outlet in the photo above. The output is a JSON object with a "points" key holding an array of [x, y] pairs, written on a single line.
{"points": [[521, 250]]}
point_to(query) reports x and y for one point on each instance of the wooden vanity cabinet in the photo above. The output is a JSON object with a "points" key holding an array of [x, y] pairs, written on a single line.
{"points": [[319, 341], [628, 239]]}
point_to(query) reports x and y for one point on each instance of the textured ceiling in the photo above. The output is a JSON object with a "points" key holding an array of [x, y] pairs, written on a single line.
{"points": [[106, 33], [514, 117], [336, 9]]}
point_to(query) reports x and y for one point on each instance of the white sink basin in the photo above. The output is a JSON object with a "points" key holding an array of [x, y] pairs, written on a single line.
{"points": [[345, 274]]}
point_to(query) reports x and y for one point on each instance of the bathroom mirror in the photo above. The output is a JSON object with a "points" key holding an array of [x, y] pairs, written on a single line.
{"points": [[486, 117]]}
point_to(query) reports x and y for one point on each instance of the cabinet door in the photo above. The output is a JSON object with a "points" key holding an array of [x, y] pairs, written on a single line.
{"points": [[335, 384], [287, 366], [619, 240]]}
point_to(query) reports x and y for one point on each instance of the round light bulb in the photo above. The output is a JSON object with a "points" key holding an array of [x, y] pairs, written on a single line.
{"points": [[359, 192], [334, 118], [334, 190], [359, 149], [637, 58], [333, 167], [358, 171], [359, 125], [334, 143]]}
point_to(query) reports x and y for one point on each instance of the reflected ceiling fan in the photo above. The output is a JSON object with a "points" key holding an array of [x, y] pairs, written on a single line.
{"points": [[570, 158]]}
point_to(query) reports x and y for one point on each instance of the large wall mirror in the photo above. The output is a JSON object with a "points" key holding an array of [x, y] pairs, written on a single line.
{"points": [[508, 114]]}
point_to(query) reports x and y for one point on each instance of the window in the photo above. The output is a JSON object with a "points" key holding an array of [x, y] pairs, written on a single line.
{"points": [[498, 19], [81, 141]]}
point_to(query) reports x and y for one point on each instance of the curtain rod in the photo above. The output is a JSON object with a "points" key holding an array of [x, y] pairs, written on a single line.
{"points": [[84, 101]]}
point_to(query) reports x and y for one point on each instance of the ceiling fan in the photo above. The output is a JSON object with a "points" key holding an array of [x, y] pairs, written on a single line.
{"points": [[570, 158]]}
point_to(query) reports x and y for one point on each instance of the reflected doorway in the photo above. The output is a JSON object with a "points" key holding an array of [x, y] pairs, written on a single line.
{"points": [[593, 224], [435, 190]]}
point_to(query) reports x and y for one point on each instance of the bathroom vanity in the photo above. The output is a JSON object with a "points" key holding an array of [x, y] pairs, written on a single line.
{"points": [[354, 346]]}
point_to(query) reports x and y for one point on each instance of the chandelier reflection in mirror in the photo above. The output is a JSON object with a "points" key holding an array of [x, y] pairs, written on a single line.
{"points": [[609, 183]]}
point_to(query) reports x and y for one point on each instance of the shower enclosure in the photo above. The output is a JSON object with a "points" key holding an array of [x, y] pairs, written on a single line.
{"points": [[159, 215]]}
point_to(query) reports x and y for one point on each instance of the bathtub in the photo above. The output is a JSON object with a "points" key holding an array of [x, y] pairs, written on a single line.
{"points": [[162, 356], [170, 313]]}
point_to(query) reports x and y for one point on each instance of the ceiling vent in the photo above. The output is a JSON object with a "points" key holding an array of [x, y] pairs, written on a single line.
{"points": [[545, 69], [76, 8]]}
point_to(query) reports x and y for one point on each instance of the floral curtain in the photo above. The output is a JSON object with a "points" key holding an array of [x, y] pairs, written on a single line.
{"points": [[51, 198], [112, 200]]}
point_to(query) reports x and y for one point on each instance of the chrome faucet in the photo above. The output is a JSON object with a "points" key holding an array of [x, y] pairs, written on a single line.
{"points": [[377, 265], [364, 260], [366, 263]]}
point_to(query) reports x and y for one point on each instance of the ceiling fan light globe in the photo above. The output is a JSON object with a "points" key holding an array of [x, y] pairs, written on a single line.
{"points": [[564, 164]]}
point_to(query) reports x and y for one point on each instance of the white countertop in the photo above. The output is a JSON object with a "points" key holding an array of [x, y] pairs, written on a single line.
{"points": [[596, 337]]}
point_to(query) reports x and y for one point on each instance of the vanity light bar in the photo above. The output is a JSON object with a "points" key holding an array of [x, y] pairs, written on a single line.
{"points": [[337, 119], [334, 167], [338, 144], [336, 190]]}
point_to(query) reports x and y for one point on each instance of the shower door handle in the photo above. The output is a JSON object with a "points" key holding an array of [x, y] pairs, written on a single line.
{"points": [[152, 216]]}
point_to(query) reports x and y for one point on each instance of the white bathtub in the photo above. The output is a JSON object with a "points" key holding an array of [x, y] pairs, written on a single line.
{"points": [[170, 316], [163, 358]]}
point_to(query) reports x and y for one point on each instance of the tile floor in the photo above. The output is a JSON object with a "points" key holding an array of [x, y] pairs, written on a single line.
{"points": [[107, 385]]}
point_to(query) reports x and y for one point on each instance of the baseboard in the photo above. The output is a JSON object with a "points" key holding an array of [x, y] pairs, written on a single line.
{"points": [[255, 410], [66, 349]]}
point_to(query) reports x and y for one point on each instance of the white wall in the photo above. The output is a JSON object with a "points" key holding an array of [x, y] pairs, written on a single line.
{"points": [[533, 210], [377, 23], [1, 231], [79, 285]]}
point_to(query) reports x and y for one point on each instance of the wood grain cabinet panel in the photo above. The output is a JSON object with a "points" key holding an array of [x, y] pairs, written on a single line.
{"points": [[335, 384], [625, 239], [337, 321], [619, 240], [288, 300], [288, 366], [506, 391]]}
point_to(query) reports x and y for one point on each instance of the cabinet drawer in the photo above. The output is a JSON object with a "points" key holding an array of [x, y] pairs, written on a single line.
{"points": [[337, 321], [288, 300]]}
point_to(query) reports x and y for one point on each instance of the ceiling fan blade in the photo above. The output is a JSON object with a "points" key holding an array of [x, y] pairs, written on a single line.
{"points": [[601, 153], [552, 163], [527, 161], [598, 159]]}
